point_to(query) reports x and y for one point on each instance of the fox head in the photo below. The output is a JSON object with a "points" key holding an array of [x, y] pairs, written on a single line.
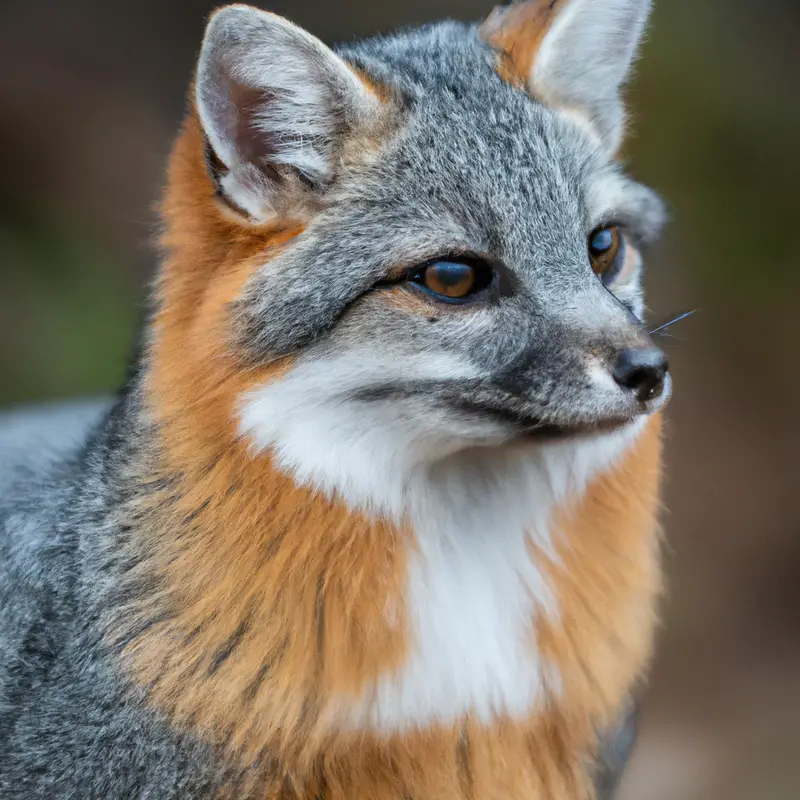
{"points": [[458, 265]]}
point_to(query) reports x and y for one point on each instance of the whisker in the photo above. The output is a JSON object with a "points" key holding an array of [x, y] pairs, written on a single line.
{"points": [[661, 328]]}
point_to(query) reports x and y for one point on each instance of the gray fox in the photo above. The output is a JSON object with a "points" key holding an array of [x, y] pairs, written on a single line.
{"points": [[375, 514]]}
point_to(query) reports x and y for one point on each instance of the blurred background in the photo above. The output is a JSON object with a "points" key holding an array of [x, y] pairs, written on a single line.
{"points": [[91, 94]]}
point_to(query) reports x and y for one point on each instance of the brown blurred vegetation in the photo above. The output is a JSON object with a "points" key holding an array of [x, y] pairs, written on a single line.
{"points": [[91, 93]]}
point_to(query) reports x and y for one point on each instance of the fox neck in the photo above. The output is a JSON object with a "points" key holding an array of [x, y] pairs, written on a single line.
{"points": [[510, 598]]}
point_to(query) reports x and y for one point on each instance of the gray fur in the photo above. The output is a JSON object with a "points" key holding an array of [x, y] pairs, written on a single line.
{"points": [[69, 726], [472, 164], [615, 750]]}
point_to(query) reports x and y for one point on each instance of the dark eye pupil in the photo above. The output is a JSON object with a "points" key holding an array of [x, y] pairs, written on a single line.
{"points": [[451, 275]]}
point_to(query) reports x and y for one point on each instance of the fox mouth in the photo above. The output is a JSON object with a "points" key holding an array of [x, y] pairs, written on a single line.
{"points": [[518, 417], [576, 430], [530, 425], [534, 427]]}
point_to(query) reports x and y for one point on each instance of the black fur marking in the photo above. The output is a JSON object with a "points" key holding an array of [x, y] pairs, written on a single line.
{"points": [[225, 652], [464, 767], [133, 633], [216, 169], [251, 691]]}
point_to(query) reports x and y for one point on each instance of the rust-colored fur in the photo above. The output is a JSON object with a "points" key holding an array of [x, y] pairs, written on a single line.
{"points": [[310, 607], [279, 604], [517, 32]]}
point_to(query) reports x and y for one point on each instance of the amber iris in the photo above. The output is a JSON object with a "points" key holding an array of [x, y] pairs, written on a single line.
{"points": [[450, 279], [604, 247]]}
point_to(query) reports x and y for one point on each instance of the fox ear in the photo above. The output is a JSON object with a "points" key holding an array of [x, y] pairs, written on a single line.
{"points": [[573, 54], [276, 106]]}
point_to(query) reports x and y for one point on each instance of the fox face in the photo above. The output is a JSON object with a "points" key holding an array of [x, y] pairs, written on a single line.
{"points": [[466, 269]]}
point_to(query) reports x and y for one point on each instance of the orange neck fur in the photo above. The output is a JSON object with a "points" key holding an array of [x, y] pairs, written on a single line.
{"points": [[276, 603]]}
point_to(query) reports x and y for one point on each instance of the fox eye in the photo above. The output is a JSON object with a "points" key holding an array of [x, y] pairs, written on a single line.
{"points": [[606, 248], [453, 281]]}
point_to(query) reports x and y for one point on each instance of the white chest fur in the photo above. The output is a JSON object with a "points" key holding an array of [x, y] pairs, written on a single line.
{"points": [[474, 590]]}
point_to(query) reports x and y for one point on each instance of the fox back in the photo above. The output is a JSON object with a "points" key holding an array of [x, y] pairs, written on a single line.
{"points": [[375, 516]]}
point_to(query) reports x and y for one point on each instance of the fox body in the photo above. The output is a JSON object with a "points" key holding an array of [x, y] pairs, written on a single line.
{"points": [[375, 514]]}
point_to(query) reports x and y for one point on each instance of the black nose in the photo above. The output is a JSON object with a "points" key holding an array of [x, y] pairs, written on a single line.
{"points": [[642, 370]]}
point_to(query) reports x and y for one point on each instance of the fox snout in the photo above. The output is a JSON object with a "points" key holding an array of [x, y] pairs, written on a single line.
{"points": [[642, 371], [573, 379]]}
